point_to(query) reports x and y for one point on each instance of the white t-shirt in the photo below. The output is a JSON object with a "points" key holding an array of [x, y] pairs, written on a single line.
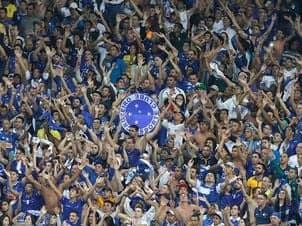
{"points": [[218, 26], [175, 130]]}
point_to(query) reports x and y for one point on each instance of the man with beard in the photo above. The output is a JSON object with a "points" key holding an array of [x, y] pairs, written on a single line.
{"points": [[205, 161], [256, 180]]}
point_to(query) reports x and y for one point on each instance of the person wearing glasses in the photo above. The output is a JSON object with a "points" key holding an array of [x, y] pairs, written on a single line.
{"points": [[263, 211]]}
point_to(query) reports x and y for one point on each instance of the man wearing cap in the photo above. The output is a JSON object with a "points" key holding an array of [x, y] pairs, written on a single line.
{"points": [[171, 219], [275, 219], [214, 88], [217, 219], [229, 177], [164, 177]]}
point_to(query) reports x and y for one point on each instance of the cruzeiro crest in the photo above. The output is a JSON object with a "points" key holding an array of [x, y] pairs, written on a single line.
{"points": [[140, 110]]}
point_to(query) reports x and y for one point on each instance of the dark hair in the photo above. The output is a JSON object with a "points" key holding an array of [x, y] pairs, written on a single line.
{"points": [[262, 164], [131, 138], [109, 201], [73, 187], [225, 110], [31, 4], [267, 138], [33, 218], [27, 182], [18, 45], [206, 146], [257, 153], [263, 194], [140, 206], [213, 140], [97, 217], [21, 149], [108, 221], [212, 172], [60, 30], [2, 218], [77, 98], [20, 117], [2, 8], [134, 127], [73, 211]]}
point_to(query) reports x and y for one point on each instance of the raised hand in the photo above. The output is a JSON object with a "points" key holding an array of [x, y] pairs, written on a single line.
{"points": [[85, 174], [50, 53], [43, 210], [274, 17], [190, 163]]}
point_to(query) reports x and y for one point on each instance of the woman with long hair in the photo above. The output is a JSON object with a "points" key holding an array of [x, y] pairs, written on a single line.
{"points": [[5, 220], [282, 205]]}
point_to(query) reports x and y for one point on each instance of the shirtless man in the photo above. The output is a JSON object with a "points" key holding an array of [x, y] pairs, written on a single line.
{"points": [[185, 209], [51, 197], [279, 43], [203, 133], [141, 141]]}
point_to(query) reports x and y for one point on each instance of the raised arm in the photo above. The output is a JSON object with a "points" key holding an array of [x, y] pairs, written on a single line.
{"points": [[137, 10], [188, 176], [268, 31]]}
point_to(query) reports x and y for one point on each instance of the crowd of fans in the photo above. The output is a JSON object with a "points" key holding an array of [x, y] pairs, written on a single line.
{"points": [[227, 78]]}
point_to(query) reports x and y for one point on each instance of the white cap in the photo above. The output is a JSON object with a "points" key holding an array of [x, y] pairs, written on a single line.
{"points": [[218, 213], [74, 5], [230, 164]]}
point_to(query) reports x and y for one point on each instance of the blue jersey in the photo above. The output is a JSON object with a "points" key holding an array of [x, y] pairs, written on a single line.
{"points": [[69, 206], [9, 137], [18, 186], [68, 223], [298, 133], [133, 156], [32, 202], [263, 215]]}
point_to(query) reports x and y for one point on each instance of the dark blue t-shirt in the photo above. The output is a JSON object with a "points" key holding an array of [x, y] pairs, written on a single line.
{"points": [[263, 216]]}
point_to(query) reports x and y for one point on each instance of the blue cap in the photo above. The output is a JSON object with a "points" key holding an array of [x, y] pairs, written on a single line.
{"points": [[276, 214]]}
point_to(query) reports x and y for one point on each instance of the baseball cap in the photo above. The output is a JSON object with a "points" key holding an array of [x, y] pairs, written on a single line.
{"points": [[219, 214], [74, 5], [250, 129], [230, 164], [214, 87], [171, 212]]}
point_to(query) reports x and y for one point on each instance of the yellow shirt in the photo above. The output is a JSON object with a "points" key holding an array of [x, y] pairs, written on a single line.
{"points": [[129, 60], [11, 9], [42, 135], [253, 183], [101, 200], [2, 29]]}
